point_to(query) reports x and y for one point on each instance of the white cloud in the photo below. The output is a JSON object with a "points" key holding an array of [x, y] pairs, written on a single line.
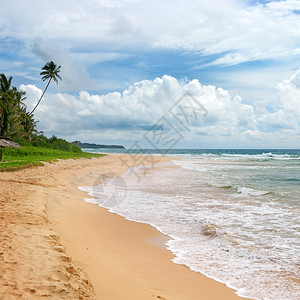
{"points": [[33, 94], [286, 114], [290, 94], [129, 114], [248, 33], [138, 108]]}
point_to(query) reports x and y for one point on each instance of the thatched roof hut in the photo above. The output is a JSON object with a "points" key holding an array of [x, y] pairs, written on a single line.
{"points": [[7, 142]]}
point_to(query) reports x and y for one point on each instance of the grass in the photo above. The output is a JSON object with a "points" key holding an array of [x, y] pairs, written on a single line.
{"points": [[28, 156]]}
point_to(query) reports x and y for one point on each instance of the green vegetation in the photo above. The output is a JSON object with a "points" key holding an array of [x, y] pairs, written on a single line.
{"points": [[19, 125], [29, 156], [39, 140]]}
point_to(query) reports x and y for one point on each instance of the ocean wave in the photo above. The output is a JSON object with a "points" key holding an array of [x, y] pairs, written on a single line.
{"points": [[260, 156], [190, 166], [247, 191], [243, 190]]}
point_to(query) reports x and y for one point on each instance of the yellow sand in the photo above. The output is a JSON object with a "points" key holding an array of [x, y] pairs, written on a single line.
{"points": [[53, 244]]}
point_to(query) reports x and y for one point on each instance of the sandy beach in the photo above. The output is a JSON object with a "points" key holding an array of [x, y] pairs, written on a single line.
{"points": [[55, 245]]}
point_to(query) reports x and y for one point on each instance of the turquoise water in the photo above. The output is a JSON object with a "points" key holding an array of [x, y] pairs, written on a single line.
{"points": [[233, 215]]}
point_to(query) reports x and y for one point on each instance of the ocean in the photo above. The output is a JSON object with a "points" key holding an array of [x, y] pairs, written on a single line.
{"points": [[232, 215]]}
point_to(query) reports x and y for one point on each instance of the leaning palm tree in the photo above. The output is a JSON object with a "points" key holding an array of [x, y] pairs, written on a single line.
{"points": [[50, 71]]}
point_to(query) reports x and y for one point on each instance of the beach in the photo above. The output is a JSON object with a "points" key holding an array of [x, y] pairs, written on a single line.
{"points": [[54, 244]]}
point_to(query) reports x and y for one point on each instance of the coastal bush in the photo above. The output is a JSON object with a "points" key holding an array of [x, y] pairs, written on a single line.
{"points": [[39, 140]]}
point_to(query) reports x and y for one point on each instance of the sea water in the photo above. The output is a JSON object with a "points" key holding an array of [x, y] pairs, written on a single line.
{"points": [[233, 215]]}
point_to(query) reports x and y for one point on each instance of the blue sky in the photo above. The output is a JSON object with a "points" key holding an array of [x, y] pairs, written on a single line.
{"points": [[126, 62]]}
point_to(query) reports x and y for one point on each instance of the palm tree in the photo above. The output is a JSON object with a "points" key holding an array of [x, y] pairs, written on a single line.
{"points": [[50, 71], [28, 124], [5, 96], [15, 105]]}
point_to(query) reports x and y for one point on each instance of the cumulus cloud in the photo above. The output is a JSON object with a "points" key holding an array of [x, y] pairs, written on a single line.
{"points": [[290, 94], [138, 107], [128, 115], [286, 110], [33, 94]]}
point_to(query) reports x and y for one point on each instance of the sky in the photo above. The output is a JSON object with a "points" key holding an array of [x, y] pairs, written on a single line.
{"points": [[165, 74]]}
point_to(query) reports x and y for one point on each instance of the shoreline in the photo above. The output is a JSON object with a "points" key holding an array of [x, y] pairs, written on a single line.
{"points": [[123, 259]]}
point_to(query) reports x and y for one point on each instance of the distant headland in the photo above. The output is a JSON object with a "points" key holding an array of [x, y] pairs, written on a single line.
{"points": [[96, 146]]}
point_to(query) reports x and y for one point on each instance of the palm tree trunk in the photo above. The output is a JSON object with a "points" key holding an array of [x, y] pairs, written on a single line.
{"points": [[1, 152], [41, 96], [2, 116]]}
